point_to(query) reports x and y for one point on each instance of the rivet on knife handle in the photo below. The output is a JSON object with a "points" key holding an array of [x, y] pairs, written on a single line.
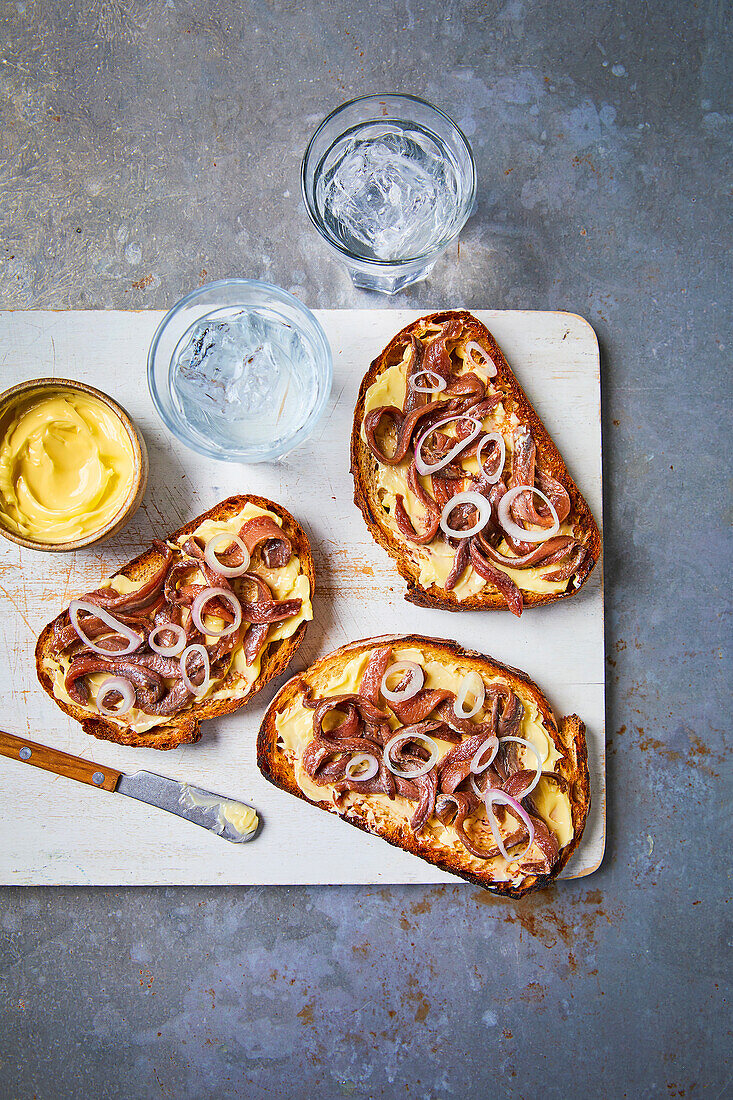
{"points": [[53, 760]]}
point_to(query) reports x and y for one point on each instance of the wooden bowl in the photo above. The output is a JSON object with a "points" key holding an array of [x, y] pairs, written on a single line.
{"points": [[139, 464]]}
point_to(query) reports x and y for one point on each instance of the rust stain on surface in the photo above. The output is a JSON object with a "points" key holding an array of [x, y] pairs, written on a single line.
{"points": [[147, 978], [424, 906], [414, 995], [533, 994], [547, 921], [693, 756]]}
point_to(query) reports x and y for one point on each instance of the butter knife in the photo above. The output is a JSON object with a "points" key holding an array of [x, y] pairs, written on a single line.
{"points": [[228, 818]]}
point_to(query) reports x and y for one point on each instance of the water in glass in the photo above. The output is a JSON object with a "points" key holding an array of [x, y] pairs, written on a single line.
{"points": [[388, 190], [243, 378]]}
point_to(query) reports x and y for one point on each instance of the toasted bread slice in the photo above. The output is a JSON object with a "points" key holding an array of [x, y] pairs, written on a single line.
{"points": [[376, 486], [232, 691], [561, 799]]}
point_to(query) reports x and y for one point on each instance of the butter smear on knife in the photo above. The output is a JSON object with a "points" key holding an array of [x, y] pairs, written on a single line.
{"points": [[239, 817]]}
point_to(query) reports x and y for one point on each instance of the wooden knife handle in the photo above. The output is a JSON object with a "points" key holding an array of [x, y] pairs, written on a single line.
{"points": [[52, 760]]}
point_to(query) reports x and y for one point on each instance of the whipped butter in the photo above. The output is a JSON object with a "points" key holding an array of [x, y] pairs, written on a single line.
{"points": [[66, 465]]}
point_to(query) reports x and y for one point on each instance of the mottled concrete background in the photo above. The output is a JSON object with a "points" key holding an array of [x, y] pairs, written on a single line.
{"points": [[151, 145]]}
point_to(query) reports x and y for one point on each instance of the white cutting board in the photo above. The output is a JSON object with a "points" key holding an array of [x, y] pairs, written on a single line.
{"points": [[56, 831]]}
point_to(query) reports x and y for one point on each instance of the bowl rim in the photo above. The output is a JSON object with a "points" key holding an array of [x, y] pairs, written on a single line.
{"points": [[140, 464], [385, 265], [178, 426]]}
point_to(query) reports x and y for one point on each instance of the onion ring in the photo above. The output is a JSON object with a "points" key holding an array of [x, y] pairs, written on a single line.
{"points": [[440, 382], [482, 505], [196, 689], [424, 467], [492, 437], [490, 797], [416, 681], [487, 361], [476, 766], [356, 761], [213, 561], [134, 640], [469, 684], [203, 598], [423, 769], [125, 689], [538, 775], [168, 650], [514, 529]]}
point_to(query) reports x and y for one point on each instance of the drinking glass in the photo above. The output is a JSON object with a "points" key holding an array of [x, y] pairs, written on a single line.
{"points": [[240, 371], [389, 181]]}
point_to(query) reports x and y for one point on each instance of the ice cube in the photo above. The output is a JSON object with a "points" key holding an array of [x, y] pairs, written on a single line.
{"points": [[243, 379], [224, 370], [390, 194]]}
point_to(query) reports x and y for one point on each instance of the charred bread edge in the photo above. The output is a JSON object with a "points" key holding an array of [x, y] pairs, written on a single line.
{"points": [[186, 728], [570, 735], [363, 463]]}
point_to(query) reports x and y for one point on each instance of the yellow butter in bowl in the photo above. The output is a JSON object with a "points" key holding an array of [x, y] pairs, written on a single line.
{"points": [[71, 462]]}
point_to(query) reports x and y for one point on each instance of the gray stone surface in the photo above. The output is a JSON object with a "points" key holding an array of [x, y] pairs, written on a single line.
{"points": [[148, 146]]}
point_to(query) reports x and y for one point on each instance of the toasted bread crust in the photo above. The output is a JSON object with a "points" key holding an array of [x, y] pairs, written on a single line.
{"points": [[185, 728], [364, 466], [569, 737]]}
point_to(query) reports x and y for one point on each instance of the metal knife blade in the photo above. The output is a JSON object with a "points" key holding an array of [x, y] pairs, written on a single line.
{"points": [[235, 821]]}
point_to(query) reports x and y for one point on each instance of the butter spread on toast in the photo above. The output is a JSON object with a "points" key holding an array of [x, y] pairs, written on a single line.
{"points": [[462, 378], [336, 710], [283, 588]]}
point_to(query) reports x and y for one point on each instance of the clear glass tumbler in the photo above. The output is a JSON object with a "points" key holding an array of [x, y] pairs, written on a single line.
{"points": [[389, 181], [240, 371]]}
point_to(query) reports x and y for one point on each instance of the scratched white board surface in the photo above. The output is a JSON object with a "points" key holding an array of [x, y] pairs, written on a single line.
{"points": [[56, 831]]}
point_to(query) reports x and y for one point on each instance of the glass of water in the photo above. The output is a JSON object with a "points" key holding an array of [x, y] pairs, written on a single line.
{"points": [[240, 370], [388, 181]]}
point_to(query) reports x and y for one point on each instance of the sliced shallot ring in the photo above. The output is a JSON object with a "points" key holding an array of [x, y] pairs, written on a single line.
{"points": [[486, 360], [471, 683], [492, 437], [416, 681], [538, 774], [482, 506], [423, 769], [122, 685], [134, 641], [514, 529], [196, 689], [490, 797], [430, 377], [424, 467], [356, 761], [213, 561], [168, 650], [203, 598], [477, 767]]}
